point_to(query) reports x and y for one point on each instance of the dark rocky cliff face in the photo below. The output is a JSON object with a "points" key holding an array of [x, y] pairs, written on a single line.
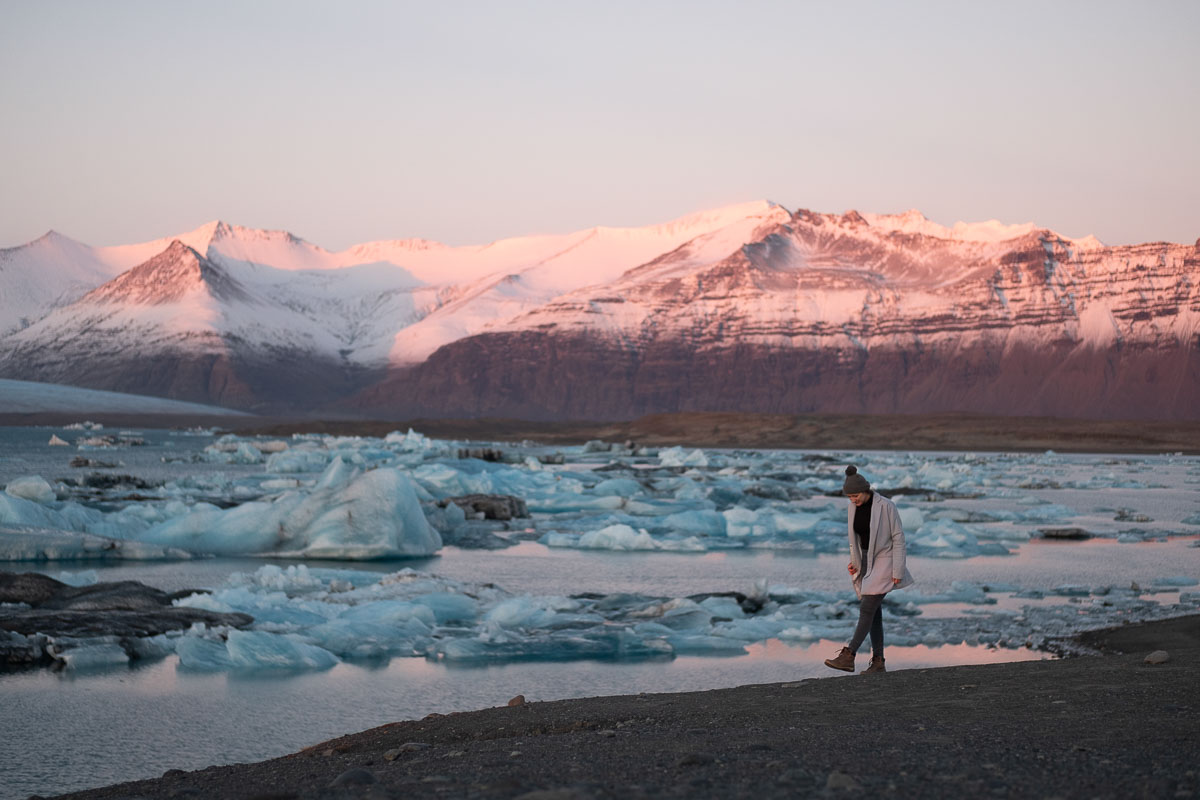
{"points": [[547, 377]]}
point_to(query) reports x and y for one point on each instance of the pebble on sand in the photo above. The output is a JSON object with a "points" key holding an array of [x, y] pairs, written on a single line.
{"points": [[519, 700], [1158, 657], [840, 780], [356, 775]]}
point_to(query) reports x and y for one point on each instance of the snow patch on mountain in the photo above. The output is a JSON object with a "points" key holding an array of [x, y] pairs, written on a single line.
{"points": [[914, 222], [593, 258]]}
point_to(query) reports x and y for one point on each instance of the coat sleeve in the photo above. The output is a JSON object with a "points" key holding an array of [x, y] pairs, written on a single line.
{"points": [[899, 547]]}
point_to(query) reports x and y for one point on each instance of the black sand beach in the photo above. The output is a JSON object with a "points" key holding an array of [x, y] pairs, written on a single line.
{"points": [[1106, 725]]}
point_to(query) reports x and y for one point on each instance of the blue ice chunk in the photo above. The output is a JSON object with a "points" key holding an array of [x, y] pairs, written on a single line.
{"points": [[151, 647], [804, 633], [284, 617], [692, 544], [201, 653], [262, 650], [366, 639], [741, 522], [617, 537], [87, 577], [297, 460], [411, 442], [1071, 590], [651, 629], [678, 457], [750, 630], [723, 607], [727, 495], [1193, 519], [88, 655], [1176, 580], [685, 615], [696, 523], [527, 612], [653, 507], [705, 645], [801, 523], [392, 612], [375, 514], [622, 487], [450, 607], [33, 488], [570, 502]]}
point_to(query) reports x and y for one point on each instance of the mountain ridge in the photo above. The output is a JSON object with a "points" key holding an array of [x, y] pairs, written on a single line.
{"points": [[866, 312]]}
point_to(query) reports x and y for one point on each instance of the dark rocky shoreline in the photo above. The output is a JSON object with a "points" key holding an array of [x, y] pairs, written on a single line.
{"points": [[1097, 726], [941, 432]]}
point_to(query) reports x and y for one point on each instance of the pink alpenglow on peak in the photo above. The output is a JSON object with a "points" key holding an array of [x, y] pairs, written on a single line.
{"points": [[749, 307]]}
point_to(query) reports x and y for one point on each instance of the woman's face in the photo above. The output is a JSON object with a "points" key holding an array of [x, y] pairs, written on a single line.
{"points": [[858, 498]]}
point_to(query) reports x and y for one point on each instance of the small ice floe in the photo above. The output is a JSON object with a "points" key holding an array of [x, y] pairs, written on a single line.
{"points": [[33, 488], [312, 618], [32, 544], [1176, 581], [678, 457]]}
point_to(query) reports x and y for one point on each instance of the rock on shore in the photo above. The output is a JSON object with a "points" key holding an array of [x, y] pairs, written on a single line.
{"points": [[43, 620]]}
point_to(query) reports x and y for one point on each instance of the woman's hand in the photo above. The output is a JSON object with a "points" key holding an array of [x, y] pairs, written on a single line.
{"points": [[853, 571]]}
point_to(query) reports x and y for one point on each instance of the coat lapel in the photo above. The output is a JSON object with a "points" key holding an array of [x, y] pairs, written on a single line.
{"points": [[876, 510]]}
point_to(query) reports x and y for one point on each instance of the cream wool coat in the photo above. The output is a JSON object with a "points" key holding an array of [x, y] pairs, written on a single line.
{"points": [[886, 550]]}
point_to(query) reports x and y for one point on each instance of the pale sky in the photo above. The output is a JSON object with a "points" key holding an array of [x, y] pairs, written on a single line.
{"points": [[465, 122]]}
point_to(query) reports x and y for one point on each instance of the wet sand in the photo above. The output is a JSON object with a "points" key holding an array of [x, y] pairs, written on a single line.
{"points": [[1106, 725]]}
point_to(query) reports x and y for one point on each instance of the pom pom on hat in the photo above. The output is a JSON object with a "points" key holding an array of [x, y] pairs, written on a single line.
{"points": [[855, 483]]}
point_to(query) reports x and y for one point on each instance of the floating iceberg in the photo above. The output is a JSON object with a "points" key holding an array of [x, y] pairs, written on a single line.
{"points": [[375, 514]]}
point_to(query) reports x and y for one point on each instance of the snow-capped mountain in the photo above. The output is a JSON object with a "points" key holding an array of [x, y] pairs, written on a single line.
{"points": [[749, 307]]}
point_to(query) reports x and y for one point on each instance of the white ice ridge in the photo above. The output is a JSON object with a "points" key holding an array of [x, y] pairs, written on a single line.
{"points": [[308, 618]]}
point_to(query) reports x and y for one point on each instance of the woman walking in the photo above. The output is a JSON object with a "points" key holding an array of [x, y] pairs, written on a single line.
{"points": [[876, 565]]}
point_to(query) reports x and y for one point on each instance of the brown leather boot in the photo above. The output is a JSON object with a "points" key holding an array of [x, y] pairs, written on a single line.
{"points": [[844, 660], [876, 665]]}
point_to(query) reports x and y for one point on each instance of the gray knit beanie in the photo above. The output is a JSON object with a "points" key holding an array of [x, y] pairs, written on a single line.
{"points": [[855, 483]]}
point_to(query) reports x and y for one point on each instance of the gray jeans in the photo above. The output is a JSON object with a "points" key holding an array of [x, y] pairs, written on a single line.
{"points": [[870, 618]]}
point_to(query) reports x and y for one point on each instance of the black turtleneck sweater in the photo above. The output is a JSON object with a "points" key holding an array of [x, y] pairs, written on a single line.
{"points": [[862, 522]]}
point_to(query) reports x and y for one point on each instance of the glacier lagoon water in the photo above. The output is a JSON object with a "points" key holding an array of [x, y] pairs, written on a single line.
{"points": [[757, 523]]}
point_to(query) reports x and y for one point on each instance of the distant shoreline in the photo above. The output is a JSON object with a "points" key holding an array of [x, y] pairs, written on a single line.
{"points": [[930, 432]]}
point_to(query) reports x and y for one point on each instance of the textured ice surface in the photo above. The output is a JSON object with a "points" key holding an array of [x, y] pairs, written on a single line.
{"points": [[33, 487], [312, 618], [32, 544], [316, 496]]}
